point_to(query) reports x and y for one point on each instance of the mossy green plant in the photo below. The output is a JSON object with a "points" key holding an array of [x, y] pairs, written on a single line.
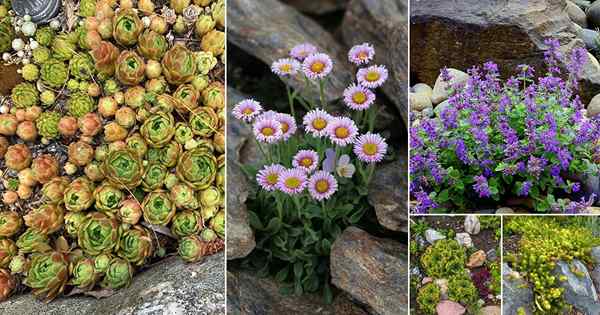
{"points": [[25, 95], [54, 73], [80, 104], [428, 298], [443, 259], [7, 34], [462, 290], [47, 124], [44, 36]]}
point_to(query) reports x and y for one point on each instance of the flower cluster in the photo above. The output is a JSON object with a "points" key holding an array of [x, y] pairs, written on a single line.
{"points": [[495, 139]]}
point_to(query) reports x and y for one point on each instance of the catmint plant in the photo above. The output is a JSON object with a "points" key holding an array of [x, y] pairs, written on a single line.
{"points": [[524, 137], [315, 169]]}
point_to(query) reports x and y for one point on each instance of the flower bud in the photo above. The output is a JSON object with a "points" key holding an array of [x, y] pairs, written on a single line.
{"points": [[67, 126], [107, 106], [27, 131], [8, 124], [114, 132], [17, 157], [80, 153], [90, 124], [44, 167]]}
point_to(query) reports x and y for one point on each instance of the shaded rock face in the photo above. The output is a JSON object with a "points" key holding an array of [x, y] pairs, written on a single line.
{"points": [[579, 290], [516, 293], [463, 33], [170, 287], [318, 7], [388, 193], [373, 271], [389, 19], [268, 29]]}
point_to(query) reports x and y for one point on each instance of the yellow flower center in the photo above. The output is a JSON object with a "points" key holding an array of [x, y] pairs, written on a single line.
{"points": [[272, 178], [370, 148], [284, 127], [372, 76], [247, 111], [319, 123], [285, 68], [359, 97], [267, 131], [317, 67], [362, 55], [292, 182], [342, 132], [306, 162], [322, 186]]}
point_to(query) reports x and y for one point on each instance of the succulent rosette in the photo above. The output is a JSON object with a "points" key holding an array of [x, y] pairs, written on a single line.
{"points": [[188, 98], [183, 196], [80, 153], [8, 250], [183, 133], [53, 191], [130, 68], [158, 208], [135, 245], [102, 262], [81, 67], [44, 168], [214, 42], [166, 103], [74, 220], [130, 211], [45, 35], [178, 65], [54, 73], [45, 219], [87, 8], [98, 234], [197, 168], [217, 224], [170, 153], [7, 34], [118, 274], [108, 198], [136, 143], [8, 283], [204, 122], [186, 223], [154, 177], [123, 168], [80, 104], [47, 275], [33, 241], [152, 45], [79, 195], [17, 157], [84, 274], [158, 129], [192, 248], [127, 27], [205, 61], [25, 95], [210, 197], [105, 56], [47, 124], [19, 264], [10, 223], [63, 47], [213, 96]]}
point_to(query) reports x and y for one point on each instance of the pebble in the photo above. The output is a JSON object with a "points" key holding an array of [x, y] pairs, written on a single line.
{"points": [[464, 239], [472, 225], [504, 210], [477, 259], [448, 307], [432, 235], [440, 89]]}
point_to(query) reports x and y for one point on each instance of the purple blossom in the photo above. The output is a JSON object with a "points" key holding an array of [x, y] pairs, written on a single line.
{"points": [[525, 187], [445, 74], [424, 203], [536, 166], [579, 206], [481, 186]]}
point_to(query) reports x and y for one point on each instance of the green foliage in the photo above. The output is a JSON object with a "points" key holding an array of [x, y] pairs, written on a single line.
{"points": [[428, 298], [443, 259], [418, 227], [462, 290], [495, 282]]}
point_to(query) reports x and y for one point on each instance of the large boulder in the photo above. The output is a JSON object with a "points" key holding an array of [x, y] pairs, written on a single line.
{"points": [[169, 287], [460, 34], [579, 288], [389, 19], [516, 293], [388, 193], [372, 270]]}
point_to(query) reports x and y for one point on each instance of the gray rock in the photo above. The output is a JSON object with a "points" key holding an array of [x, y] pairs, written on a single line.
{"points": [[516, 293], [593, 13], [505, 210], [576, 14], [439, 108], [419, 101], [318, 7], [388, 193], [593, 107], [422, 88], [441, 88], [591, 185], [595, 275], [464, 239], [374, 271], [41, 11], [490, 310], [579, 290], [491, 254], [432, 235], [170, 287], [595, 253], [589, 37]]}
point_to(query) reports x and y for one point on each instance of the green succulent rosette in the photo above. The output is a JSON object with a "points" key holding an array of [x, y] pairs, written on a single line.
{"points": [[44, 36], [10, 223], [204, 122], [158, 208], [81, 67], [54, 73], [8, 250], [208, 235], [79, 195], [63, 47], [108, 198], [102, 261], [136, 143], [127, 27], [152, 45], [19, 265], [178, 65], [53, 191], [183, 133], [87, 8], [47, 275], [217, 224], [118, 275], [163, 103], [197, 168], [25, 95], [98, 234], [123, 168], [205, 61], [130, 68], [170, 153], [84, 274], [40, 55], [184, 196], [47, 124], [186, 223], [192, 248], [47, 218], [154, 177], [7, 34], [136, 245], [188, 98], [80, 104], [158, 129], [220, 180], [153, 155], [33, 241], [73, 221], [210, 196]]}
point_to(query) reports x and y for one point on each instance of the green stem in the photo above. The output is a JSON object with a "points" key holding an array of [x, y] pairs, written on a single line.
{"points": [[262, 150], [371, 171], [322, 93], [290, 99]]}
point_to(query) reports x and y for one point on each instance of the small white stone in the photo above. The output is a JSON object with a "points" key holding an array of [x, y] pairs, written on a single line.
{"points": [[33, 44], [55, 24], [18, 44], [5, 56], [17, 29], [20, 54], [146, 21], [25, 61], [28, 29], [27, 18], [4, 109], [19, 71]]}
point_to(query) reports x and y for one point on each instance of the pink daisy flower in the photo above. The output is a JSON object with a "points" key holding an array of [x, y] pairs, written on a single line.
{"points": [[292, 181], [268, 177], [302, 51], [370, 147], [316, 122], [285, 67], [307, 160], [342, 131], [358, 97], [322, 185], [372, 77], [267, 130], [361, 54], [288, 125], [247, 110], [317, 66]]}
